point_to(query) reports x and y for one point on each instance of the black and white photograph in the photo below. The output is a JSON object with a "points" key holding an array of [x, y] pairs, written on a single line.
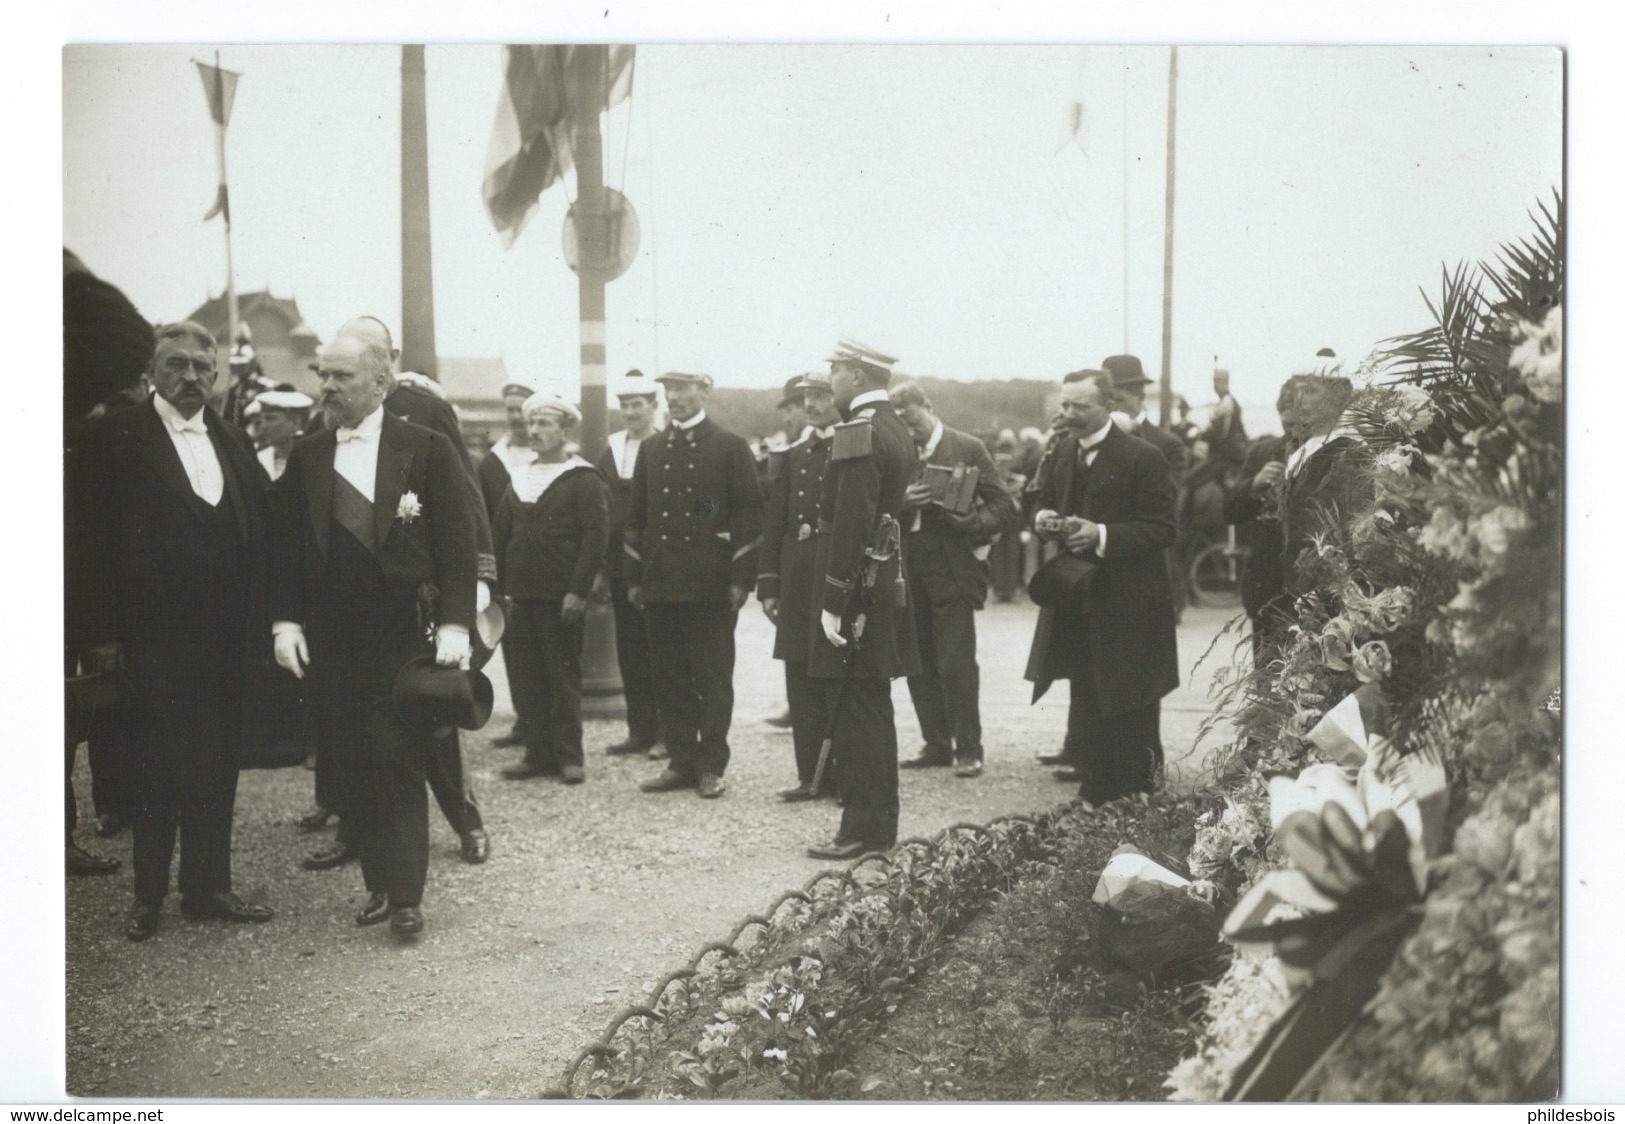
{"points": [[903, 570]]}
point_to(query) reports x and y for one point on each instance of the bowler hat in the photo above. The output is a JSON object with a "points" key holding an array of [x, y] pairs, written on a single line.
{"points": [[427, 694], [1063, 580], [1125, 370]]}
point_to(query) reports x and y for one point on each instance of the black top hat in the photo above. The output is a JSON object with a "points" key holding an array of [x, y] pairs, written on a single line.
{"points": [[1062, 581], [795, 389], [1125, 370], [427, 694]]}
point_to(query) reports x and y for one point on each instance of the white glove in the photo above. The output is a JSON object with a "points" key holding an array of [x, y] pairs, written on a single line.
{"points": [[832, 628], [290, 650], [451, 647], [482, 596]]}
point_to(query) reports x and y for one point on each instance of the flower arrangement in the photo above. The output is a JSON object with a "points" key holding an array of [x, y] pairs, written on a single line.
{"points": [[1437, 602]]}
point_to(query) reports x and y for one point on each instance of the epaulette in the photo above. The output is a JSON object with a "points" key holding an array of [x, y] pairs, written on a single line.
{"points": [[852, 439], [775, 463]]}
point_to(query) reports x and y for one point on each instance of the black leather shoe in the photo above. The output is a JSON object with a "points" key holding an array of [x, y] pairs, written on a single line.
{"points": [[572, 774], [1069, 775], [780, 721], [109, 824], [657, 752], [406, 921], [376, 910], [328, 857], [315, 819], [141, 922], [525, 770], [1054, 759], [839, 849], [82, 862], [710, 786], [799, 793], [968, 769], [627, 748], [225, 906], [670, 780], [926, 761], [476, 846], [507, 741]]}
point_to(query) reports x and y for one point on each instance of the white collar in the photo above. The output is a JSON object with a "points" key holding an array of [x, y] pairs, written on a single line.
{"points": [[1140, 420], [172, 419], [1095, 438], [869, 397], [691, 422], [931, 445], [807, 431], [1313, 445], [366, 430]]}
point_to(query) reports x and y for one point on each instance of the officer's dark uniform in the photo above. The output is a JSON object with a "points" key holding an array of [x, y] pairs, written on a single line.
{"points": [[789, 572], [871, 460], [693, 529]]}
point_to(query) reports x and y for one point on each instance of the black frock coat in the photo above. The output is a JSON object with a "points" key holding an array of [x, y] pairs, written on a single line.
{"points": [[1130, 623], [790, 542]]}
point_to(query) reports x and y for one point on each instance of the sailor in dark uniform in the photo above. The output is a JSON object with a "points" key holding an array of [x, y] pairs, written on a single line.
{"points": [[787, 582], [693, 531], [872, 457]]}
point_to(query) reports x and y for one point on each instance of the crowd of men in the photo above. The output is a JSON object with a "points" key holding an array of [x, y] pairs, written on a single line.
{"points": [[353, 542]]}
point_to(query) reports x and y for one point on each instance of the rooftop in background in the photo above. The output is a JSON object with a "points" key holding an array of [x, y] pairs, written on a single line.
{"points": [[282, 341]]}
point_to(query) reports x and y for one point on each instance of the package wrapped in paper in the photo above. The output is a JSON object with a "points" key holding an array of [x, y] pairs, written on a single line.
{"points": [[1130, 876]]}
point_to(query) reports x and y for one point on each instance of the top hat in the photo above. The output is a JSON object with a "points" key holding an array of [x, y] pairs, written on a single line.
{"points": [[1125, 370], [1064, 580], [426, 694]]}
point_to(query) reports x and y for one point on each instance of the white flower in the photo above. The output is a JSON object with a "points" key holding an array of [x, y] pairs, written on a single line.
{"points": [[1539, 357], [409, 508], [775, 1053]]}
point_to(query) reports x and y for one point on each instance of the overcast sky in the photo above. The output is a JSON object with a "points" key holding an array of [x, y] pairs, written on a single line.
{"points": [[916, 197]]}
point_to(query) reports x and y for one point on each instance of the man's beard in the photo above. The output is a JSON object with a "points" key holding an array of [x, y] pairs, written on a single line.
{"points": [[333, 415]]}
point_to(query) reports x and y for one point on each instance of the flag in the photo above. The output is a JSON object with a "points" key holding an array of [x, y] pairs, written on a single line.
{"points": [[220, 87], [533, 135]]}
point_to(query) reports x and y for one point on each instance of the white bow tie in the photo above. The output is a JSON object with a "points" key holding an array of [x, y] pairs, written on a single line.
{"points": [[193, 424], [345, 434]]}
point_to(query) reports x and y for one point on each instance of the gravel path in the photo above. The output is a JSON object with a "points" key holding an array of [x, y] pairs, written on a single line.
{"points": [[591, 894]]}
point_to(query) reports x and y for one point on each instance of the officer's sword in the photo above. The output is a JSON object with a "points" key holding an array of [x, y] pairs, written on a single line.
{"points": [[887, 539]]}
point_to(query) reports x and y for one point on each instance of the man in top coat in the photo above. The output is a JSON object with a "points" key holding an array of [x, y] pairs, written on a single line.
{"points": [[693, 532], [946, 555], [1130, 380], [371, 512], [872, 459], [167, 524], [1109, 498], [787, 584]]}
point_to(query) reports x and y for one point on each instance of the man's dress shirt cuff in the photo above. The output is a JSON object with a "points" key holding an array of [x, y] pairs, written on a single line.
{"points": [[1100, 547], [279, 627]]}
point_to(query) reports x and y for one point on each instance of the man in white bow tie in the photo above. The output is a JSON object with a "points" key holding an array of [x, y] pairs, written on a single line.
{"points": [[370, 513], [166, 536]]}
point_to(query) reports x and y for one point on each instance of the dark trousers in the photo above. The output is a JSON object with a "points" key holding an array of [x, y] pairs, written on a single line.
{"points": [[809, 719], [947, 692], [110, 760], [1005, 562], [637, 673], [1115, 754], [544, 669], [691, 646], [866, 743], [201, 817], [449, 781]]}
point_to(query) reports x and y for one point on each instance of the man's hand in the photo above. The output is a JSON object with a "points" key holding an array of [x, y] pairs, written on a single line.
{"points": [[103, 659], [634, 594], [450, 647], [770, 607], [573, 609], [965, 522], [918, 494], [1267, 476], [291, 653], [1047, 523], [1084, 538], [831, 624], [737, 596], [482, 596]]}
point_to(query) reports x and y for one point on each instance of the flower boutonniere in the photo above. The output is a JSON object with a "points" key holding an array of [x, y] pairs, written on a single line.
{"points": [[410, 507]]}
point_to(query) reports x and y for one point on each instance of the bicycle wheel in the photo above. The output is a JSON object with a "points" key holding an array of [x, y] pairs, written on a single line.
{"points": [[1215, 576]]}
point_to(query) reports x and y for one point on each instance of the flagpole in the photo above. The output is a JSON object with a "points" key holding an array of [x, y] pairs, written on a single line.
{"points": [[1168, 248], [417, 263], [591, 231], [1124, 103], [220, 154]]}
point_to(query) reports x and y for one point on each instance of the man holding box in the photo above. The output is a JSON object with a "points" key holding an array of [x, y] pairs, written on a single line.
{"points": [[953, 510]]}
